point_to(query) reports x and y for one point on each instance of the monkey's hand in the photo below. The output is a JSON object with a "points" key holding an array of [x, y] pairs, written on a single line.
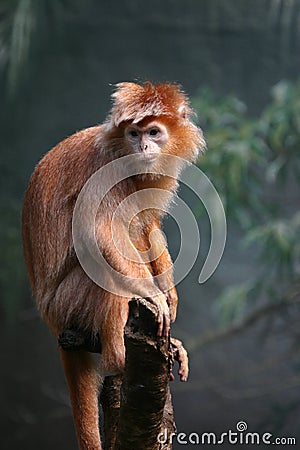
{"points": [[160, 301], [181, 356], [171, 295]]}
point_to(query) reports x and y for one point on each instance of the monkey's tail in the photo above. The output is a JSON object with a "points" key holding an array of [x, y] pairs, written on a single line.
{"points": [[83, 381]]}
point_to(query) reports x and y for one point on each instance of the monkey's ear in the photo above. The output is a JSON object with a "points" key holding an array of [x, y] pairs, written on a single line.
{"points": [[182, 111]]}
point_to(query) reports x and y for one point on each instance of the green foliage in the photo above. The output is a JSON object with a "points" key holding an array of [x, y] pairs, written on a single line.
{"points": [[234, 152], [232, 303], [279, 245], [255, 167], [280, 128]]}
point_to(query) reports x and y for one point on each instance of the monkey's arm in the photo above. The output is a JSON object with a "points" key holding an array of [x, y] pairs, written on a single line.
{"points": [[130, 272], [162, 268]]}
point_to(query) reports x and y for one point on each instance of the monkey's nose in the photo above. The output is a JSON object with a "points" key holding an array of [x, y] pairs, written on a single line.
{"points": [[143, 147]]}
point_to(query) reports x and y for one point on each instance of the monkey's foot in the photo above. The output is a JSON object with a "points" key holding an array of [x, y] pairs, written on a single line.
{"points": [[181, 356]]}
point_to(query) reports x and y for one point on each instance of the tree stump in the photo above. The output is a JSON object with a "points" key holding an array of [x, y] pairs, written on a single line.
{"points": [[137, 404], [144, 410]]}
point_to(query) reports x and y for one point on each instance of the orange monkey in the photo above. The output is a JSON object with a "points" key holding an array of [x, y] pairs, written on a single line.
{"points": [[149, 120]]}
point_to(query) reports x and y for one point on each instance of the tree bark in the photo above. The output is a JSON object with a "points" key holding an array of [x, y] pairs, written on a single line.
{"points": [[144, 412], [110, 402]]}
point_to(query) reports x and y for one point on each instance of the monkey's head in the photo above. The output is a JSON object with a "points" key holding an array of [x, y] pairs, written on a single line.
{"points": [[154, 119]]}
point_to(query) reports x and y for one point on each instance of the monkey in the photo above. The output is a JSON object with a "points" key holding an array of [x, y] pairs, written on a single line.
{"points": [[147, 121]]}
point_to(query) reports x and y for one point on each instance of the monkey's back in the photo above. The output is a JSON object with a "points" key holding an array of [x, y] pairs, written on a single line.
{"points": [[48, 208]]}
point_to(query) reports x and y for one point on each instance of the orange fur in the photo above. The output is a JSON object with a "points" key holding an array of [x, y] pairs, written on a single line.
{"points": [[65, 295], [83, 382]]}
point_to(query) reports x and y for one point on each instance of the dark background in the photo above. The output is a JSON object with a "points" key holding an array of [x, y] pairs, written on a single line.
{"points": [[75, 55]]}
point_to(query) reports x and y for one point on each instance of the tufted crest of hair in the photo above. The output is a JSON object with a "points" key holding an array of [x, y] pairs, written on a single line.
{"points": [[133, 102]]}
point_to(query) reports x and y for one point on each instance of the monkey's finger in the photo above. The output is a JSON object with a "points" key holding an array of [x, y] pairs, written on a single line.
{"points": [[166, 324], [160, 320], [163, 316], [183, 372], [183, 378]]}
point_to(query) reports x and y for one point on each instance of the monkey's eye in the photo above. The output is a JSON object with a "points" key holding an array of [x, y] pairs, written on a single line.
{"points": [[154, 132], [133, 133]]}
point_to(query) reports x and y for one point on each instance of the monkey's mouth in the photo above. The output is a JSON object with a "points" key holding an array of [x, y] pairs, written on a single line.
{"points": [[150, 156]]}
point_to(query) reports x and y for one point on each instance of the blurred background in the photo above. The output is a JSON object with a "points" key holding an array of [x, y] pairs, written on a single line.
{"points": [[239, 63]]}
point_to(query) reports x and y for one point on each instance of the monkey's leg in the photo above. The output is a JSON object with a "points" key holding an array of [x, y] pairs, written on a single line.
{"points": [[83, 382]]}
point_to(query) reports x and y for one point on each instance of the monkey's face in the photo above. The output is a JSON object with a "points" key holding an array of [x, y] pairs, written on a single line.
{"points": [[147, 139]]}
